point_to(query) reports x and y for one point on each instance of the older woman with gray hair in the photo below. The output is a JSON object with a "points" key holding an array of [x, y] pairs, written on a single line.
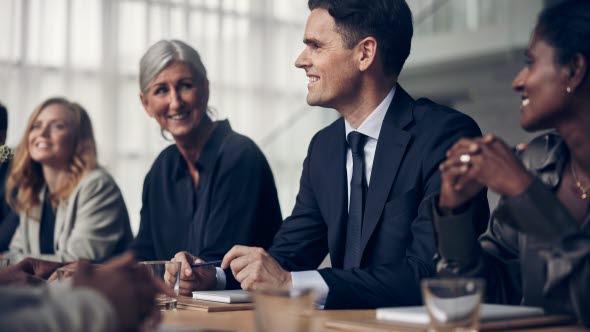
{"points": [[213, 187]]}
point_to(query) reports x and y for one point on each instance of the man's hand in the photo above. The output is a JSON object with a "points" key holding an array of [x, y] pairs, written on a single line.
{"points": [[255, 269], [30, 271], [130, 289], [191, 278]]}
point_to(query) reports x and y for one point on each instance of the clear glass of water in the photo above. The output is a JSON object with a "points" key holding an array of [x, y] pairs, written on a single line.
{"points": [[453, 304], [283, 310], [169, 273], [4, 262]]}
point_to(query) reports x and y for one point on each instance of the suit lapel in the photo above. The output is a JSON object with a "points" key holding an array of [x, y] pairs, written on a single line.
{"points": [[335, 177], [391, 147], [61, 213], [32, 226]]}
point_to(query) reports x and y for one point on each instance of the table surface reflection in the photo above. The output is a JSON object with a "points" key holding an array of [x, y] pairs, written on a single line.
{"points": [[244, 320]]}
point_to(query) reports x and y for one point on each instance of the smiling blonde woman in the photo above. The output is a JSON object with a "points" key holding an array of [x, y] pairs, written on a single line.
{"points": [[69, 207]]}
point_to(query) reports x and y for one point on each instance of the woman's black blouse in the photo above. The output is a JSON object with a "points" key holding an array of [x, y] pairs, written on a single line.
{"points": [[47, 227], [235, 201]]}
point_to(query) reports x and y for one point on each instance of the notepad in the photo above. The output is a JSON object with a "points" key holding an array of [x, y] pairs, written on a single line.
{"points": [[488, 312], [224, 296]]}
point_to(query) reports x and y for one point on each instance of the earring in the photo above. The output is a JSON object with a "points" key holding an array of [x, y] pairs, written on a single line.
{"points": [[568, 89]]}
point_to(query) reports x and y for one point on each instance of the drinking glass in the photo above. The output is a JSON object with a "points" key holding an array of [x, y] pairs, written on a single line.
{"points": [[169, 273], [283, 310], [4, 262], [453, 304]]}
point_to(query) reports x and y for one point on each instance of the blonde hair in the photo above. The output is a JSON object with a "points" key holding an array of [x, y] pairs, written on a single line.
{"points": [[26, 177]]}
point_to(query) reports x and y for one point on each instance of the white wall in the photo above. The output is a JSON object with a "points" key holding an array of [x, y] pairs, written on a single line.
{"points": [[88, 50]]}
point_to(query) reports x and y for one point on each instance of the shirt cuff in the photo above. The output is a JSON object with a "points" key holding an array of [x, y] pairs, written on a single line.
{"points": [[220, 277], [312, 280]]}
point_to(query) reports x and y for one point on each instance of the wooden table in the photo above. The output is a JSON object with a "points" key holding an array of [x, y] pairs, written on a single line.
{"points": [[244, 320]]}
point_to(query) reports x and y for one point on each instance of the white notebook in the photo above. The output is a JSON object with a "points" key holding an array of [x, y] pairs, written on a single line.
{"points": [[488, 312], [224, 296]]}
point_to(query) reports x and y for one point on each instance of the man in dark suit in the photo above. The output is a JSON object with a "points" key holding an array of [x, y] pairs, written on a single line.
{"points": [[367, 176]]}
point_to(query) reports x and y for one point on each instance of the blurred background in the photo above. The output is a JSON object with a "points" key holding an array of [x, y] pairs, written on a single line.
{"points": [[465, 54]]}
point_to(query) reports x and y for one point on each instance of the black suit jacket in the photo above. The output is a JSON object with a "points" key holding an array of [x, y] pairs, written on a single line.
{"points": [[398, 239]]}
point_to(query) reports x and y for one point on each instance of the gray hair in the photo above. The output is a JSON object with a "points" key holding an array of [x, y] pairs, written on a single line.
{"points": [[162, 54]]}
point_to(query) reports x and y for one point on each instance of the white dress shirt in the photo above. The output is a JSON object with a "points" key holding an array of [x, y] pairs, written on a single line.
{"points": [[371, 127]]}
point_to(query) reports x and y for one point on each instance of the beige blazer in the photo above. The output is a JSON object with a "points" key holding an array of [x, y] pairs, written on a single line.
{"points": [[92, 223]]}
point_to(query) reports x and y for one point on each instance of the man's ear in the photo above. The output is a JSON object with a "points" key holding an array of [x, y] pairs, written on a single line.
{"points": [[578, 70], [144, 102], [367, 50]]}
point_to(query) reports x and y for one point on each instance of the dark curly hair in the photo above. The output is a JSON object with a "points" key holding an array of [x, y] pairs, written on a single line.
{"points": [[566, 27]]}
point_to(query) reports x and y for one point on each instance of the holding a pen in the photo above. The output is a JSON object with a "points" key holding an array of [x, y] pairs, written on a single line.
{"points": [[216, 262], [193, 269]]}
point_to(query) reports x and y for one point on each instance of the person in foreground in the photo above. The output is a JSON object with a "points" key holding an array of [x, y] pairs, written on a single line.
{"points": [[69, 207], [536, 250], [213, 188], [117, 297], [29, 271], [367, 175]]}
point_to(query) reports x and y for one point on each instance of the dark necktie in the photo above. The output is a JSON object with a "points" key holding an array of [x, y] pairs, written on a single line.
{"points": [[358, 184]]}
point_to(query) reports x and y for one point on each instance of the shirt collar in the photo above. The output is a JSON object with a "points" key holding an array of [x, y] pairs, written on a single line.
{"points": [[549, 164], [372, 125]]}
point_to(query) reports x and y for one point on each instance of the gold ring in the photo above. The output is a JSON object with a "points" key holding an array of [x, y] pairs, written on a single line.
{"points": [[465, 158]]}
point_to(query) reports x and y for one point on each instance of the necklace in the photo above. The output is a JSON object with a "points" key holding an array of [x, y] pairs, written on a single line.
{"points": [[583, 190]]}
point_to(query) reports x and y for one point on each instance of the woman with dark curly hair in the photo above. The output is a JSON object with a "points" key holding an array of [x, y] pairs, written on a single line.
{"points": [[536, 250]]}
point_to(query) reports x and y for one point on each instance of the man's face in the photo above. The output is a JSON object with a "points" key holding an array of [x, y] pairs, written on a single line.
{"points": [[329, 64]]}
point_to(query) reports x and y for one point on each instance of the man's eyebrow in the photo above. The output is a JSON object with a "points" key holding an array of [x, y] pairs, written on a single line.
{"points": [[308, 41]]}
